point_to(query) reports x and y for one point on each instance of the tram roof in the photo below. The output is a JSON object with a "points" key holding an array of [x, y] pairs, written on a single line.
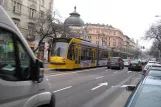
{"points": [[88, 44]]}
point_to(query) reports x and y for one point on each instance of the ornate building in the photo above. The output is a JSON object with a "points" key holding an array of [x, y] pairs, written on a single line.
{"points": [[76, 25], [105, 35]]}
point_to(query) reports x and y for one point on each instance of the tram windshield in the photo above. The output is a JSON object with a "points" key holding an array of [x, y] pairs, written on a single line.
{"points": [[59, 49]]}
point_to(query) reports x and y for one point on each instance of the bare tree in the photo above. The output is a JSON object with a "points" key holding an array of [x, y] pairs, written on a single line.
{"points": [[154, 32], [48, 26]]}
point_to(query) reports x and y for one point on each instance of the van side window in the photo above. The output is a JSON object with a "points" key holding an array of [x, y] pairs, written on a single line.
{"points": [[7, 56], [24, 61]]}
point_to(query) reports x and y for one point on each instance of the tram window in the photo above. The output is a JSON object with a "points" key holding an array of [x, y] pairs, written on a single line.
{"points": [[71, 52], [86, 53]]}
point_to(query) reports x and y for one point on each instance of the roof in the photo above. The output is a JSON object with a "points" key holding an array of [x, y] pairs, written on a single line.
{"points": [[74, 19]]}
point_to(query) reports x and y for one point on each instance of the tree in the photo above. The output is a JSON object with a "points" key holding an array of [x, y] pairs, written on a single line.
{"points": [[154, 32], [48, 26], [154, 50]]}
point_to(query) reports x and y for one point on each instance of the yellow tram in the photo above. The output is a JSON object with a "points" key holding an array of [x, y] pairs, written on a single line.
{"points": [[72, 53]]}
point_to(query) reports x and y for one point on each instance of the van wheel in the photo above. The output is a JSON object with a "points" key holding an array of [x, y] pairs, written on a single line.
{"points": [[52, 101]]}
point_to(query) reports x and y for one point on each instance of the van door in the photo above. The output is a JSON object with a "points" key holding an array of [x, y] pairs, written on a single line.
{"points": [[16, 86]]}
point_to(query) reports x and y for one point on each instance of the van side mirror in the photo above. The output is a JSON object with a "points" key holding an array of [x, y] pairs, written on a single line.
{"points": [[38, 71], [130, 88]]}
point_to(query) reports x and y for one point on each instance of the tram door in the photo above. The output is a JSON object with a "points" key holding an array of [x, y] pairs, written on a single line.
{"points": [[77, 56], [93, 58]]}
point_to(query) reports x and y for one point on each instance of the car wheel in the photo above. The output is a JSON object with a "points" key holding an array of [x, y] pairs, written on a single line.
{"points": [[120, 67]]}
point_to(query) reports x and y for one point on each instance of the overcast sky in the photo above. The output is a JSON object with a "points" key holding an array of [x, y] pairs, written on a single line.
{"points": [[133, 17]]}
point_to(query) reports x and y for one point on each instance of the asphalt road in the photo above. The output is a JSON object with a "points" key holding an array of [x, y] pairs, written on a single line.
{"points": [[96, 87]]}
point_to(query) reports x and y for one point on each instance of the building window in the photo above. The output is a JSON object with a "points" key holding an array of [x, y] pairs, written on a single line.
{"points": [[31, 29], [41, 13], [16, 21], [89, 37], [97, 42], [114, 33], [16, 7], [32, 13], [42, 3]]}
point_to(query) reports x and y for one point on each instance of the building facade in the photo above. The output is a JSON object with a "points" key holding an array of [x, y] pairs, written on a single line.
{"points": [[24, 12], [105, 35]]}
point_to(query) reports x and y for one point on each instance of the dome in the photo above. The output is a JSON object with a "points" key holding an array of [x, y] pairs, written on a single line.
{"points": [[74, 19]]}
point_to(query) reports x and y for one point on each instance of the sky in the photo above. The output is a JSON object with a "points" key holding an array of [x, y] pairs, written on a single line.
{"points": [[133, 17]]}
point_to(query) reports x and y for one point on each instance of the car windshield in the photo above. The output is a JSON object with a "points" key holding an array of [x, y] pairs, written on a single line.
{"points": [[155, 73], [60, 49], [147, 96], [113, 59], [147, 66], [134, 62], [125, 60]]}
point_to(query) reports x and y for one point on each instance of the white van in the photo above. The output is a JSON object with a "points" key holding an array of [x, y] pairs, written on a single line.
{"points": [[22, 82]]}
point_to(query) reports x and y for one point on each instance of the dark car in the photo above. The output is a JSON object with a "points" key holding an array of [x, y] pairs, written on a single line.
{"points": [[115, 62], [135, 65], [147, 93]]}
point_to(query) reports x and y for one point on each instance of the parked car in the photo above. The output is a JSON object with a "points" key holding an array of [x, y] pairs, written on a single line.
{"points": [[22, 79], [146, 94], [126, 62], [154, 62], [135, 65], [115, 62], [152, 68], [149, 65]]}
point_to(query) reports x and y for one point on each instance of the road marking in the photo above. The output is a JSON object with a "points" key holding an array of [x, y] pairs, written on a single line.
{"points": [[99, 77], [129, 71], [127, 85], [115, 72], [106, 70], [62, 89], [100, 85], [49, 75]]}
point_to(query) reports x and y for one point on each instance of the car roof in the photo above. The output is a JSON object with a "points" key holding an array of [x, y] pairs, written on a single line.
{"points": [[147, 93]]}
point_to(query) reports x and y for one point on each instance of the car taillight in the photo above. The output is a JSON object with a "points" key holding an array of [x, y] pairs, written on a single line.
{"points": [[129, 63], [144, 70]]}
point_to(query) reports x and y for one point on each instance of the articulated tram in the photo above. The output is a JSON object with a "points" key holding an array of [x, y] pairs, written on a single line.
{"points": [[73, 53]]}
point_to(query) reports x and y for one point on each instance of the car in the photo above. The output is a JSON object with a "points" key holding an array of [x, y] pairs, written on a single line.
{"points": [[126, 62], [153, 62], [145, 94], [151, 68], [22, 79], [135, 65], [115, 62], [149, 65]]}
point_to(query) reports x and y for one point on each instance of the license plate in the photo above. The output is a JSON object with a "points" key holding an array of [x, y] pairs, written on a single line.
{"points": [[134, 65]]}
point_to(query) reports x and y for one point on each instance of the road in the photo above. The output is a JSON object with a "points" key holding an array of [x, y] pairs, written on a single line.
{"points": [[96, 87]]}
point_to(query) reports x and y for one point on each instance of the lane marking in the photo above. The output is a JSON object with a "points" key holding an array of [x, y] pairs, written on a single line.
{"points": [[127, 85], [129, 71], [100, 85], [115, 72], [99, 77], [50, 75], [62, 89], [123, 86]]}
